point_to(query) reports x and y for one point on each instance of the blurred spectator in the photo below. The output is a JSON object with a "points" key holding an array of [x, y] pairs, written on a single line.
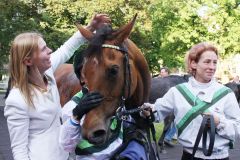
{"points": [[236, 79], [164, 72]]}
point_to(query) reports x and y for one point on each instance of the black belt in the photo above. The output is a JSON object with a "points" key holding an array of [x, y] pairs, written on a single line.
{"points": [[207, 127]]}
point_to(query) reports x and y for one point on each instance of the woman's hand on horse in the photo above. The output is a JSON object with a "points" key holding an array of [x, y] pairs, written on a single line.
{"points": [[97, 21], [88, 102], [147, 108]]}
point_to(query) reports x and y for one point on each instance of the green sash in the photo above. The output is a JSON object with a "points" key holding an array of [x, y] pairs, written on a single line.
{"points": [[199, 106]]}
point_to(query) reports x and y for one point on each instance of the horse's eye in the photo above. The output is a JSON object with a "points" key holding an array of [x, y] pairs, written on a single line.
{"points": [[113, 71]]}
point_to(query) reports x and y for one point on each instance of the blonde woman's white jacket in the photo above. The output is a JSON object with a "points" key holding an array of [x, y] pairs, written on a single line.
{"points": [[34, 132]]}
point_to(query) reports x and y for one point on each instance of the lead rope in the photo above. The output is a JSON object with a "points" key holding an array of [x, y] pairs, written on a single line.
{"points": [[153, 131], [208, 121]]}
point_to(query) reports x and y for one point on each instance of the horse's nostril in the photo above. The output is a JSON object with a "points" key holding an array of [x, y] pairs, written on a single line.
{"points": [[99, 133], [98, 137]]}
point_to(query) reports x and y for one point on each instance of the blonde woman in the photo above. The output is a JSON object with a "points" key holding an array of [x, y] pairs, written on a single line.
{"points": [[201, 95], [33, 107]]}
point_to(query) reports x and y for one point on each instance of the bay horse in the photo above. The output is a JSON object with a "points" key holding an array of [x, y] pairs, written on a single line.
{"points": [[67, 82], [115, 67]]}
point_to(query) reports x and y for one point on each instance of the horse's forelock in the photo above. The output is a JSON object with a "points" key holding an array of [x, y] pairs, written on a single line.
{"points": [[94, 48], [95, 45]]}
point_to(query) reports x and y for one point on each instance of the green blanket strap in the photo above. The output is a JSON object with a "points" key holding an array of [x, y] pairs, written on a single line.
{"points": [[77, 97], [84, 147], [200, 106]]}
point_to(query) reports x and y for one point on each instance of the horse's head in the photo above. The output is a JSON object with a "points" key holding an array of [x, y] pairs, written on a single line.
{"points": [[115, 67]]}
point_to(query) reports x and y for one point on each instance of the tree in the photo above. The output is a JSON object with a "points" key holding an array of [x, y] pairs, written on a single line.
{"points": [[164, 29], [179, 25], [55, 19], [16, 17]]}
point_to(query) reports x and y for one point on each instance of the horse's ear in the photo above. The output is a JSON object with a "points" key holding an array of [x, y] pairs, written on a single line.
{"points": [[85, 33], [123, 32]]}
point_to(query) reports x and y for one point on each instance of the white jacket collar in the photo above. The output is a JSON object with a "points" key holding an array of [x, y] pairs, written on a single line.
{"points": [[203, 91]]}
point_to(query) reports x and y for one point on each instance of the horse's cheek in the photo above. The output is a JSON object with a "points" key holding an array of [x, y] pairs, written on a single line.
{"points": [[135, 77]]}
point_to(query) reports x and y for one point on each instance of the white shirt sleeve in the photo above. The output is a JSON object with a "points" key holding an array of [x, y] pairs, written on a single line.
{"points": [[65, 52], [229, 126], [70, 133], [164, 106], [18, 126], [67, 110], [69, 136]]}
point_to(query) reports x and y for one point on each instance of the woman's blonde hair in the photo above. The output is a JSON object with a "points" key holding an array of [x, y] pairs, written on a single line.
{"points": [[195, 53], [23, 46]]}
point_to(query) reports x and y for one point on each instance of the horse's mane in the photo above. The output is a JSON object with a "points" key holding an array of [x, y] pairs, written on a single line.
{"points": [[78, 63]]}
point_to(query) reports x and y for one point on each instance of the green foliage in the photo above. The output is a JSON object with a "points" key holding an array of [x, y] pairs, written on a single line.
{"points": [[164, 29], [177, 25], [159, 129], [15, 16], [55, 19]]}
